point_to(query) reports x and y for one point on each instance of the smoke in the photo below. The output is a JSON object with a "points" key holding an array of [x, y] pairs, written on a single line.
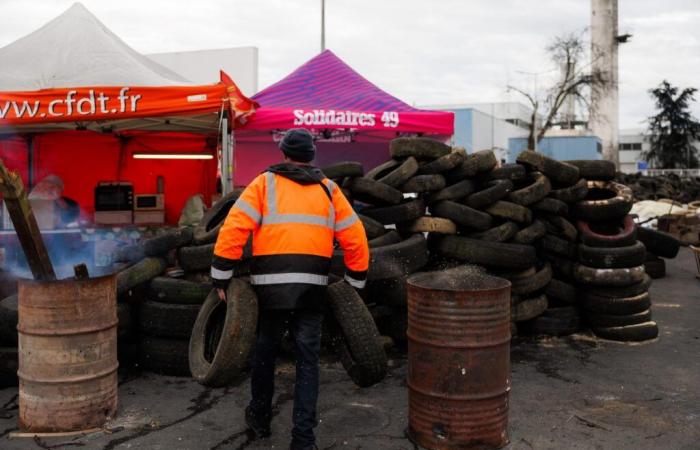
{"points": [[66, 249]]}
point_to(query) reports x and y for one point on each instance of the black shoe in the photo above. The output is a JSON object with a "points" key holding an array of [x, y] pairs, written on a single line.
{"points": [[296, 447], [260, 426]]}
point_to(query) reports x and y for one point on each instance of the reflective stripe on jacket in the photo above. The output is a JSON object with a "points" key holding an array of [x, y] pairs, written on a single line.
{"points": [[294, 226]]}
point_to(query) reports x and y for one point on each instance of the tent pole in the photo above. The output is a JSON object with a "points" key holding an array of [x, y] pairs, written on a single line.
{"points": [[225, 164], [30, 161]]}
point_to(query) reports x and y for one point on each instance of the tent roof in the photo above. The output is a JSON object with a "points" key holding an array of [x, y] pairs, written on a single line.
{"points": [[337, 96], [73, 73], [326, 81], [76, 49]]}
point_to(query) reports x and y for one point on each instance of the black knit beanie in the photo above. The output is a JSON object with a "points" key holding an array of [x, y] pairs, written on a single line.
{"points": [[298, 144]]}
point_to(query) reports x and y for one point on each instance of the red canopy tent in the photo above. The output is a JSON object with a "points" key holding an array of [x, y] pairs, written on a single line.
{"points": [[82, 107], [353, 118]]}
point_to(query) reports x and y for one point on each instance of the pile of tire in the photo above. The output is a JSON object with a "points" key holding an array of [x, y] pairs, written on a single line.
{"points": [[392, 200], [612, 284]]}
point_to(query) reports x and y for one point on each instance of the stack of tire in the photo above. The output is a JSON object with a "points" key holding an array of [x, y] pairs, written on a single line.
{"points": [[613, 286]]}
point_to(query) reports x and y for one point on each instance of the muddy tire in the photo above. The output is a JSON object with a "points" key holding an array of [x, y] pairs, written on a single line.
{"points": [[501, 233], [407, 211], [129, 254], [538, 189], [165, 356], [429, 224], [612, 258], [493, 191], [531, 233], [373, 229], [512, 172], [400, 259], [561, 227], [605, 201], [177, 291], [462, 215], [534, 283], [596, 170], [355, 336], [551, 206], [343, 169], [557, 171], [8, 321], [418, 147], [160, 245], [562, 291], [196, 258], [571, 194], [374, 192], [493, 254], [510, 211], [631, 333], [392, 237], [558, 246], [141, 272], [424, 183], [454, 192], [473, 164], [223, 336], [655, 269], [442, 164], [524, 309], [167, 320], [659, 243], [610, 320], [624, 291], [609, 234], [608, 277], [208, 228], [619, 306], [382, 169], [397, 177]]}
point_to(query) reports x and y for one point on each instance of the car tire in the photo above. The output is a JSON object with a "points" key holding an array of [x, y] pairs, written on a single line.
{"points": [[608, 235], [223, 336], [355, 336], [631, 333], [493, 254], [612, 257], [418, 147], [606, 201], [558, 171]]}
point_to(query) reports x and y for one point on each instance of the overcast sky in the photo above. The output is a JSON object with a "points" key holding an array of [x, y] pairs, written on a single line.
{"points": [[424, 52]]}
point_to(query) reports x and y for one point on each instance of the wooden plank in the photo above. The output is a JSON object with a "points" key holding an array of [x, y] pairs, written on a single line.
{"points": [[21, 434], [25, 224]]}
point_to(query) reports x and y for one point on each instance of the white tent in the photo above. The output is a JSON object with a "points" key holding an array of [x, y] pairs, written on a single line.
{"points": [[76, 49]]}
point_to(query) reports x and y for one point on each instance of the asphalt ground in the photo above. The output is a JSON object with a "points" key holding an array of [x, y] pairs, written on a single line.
{"points": [[577, 392]]}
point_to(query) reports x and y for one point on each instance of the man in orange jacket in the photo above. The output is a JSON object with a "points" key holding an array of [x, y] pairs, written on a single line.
{"points": [[294, 214]]}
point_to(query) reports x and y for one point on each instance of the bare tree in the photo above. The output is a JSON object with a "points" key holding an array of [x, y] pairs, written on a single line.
{"points": [[576, 81]]}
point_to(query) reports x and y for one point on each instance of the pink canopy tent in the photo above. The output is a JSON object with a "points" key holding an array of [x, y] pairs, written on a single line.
{"points": [[352, 118]]}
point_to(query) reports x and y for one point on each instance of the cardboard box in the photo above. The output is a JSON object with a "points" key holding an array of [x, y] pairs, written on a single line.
{"points": [[45, 211], [149, 217], [114, 217]]}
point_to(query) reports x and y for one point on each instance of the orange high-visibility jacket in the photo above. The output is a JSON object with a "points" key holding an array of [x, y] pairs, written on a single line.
{"points": [[294, 226]]}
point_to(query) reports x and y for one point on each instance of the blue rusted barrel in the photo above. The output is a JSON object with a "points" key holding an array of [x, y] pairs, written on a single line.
{"points": [[458, 359]]}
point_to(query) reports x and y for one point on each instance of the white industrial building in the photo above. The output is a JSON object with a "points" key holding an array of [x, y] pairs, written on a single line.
{"points": [[203, 66]]}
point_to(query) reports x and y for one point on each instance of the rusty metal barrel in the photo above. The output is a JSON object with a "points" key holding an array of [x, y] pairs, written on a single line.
{"points": [[458, 359], [67, 354]]}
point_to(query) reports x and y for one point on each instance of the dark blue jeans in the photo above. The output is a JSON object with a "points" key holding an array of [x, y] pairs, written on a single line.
{"points": [[305, 326]]}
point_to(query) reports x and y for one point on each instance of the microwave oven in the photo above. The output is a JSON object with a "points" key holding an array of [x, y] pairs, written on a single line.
{"points": [[114, 196], [149, 202]]}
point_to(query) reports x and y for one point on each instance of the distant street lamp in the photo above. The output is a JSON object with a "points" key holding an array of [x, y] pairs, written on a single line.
{"points": [[323, 25]]}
